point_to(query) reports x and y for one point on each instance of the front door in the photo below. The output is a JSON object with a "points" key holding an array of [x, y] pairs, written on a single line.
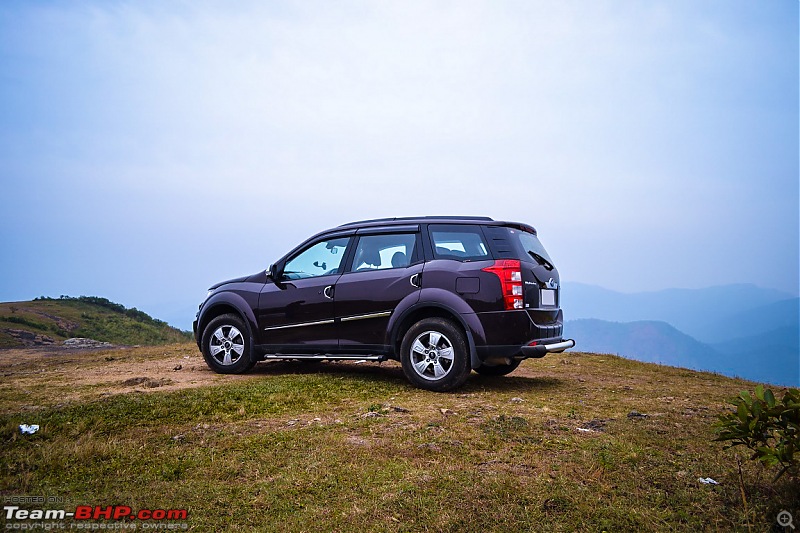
{"points": [[385, 270], [296, 312]]}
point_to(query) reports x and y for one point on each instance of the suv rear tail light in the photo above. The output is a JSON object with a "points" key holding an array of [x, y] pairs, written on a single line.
{"points": [[508, 270]]}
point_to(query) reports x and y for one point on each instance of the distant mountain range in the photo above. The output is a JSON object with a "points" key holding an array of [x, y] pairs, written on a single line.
{"points": [[647, 340], [714, 314], [737, 330]]}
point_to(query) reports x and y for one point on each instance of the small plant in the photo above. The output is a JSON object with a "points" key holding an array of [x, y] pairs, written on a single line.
{"points": [[377, 408], [505, 426], [768, 427]]}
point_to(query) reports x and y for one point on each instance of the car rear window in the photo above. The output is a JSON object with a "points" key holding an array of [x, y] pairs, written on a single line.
{"points": [[515, 243], [532, 246], [462, 243]]}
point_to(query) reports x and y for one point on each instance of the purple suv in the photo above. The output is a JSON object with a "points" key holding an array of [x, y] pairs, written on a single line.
{"points": [[442, 295]]}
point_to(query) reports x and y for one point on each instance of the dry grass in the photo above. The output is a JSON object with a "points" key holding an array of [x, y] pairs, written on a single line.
{"points": [[554, 446]]}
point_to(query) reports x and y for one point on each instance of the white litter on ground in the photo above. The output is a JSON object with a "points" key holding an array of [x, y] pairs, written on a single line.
{"points": [[26, 429], [707, 481]]}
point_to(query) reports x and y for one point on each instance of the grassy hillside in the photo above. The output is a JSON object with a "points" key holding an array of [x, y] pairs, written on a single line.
{"points": [[48, 321], [572, 442]]}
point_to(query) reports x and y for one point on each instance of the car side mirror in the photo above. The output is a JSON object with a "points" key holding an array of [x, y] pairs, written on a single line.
{"points": [[272, 271]]}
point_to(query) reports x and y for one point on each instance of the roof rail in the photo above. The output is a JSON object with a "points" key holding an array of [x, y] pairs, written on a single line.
{"points": [[399, 219]]}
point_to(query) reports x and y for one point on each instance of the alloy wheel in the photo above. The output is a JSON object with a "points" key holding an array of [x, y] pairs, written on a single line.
{"points": [[432, 355]]}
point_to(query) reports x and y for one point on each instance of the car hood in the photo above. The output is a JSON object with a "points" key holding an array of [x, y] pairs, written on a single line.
{"points": [[260, 277]]}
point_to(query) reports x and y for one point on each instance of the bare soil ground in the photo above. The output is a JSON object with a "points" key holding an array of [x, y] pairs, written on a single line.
{"points": [[53, 375], [48, 376], [36, 377]]}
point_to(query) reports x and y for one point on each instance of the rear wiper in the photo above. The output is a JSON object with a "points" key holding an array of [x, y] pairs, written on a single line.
{"points": [[541, 260]]}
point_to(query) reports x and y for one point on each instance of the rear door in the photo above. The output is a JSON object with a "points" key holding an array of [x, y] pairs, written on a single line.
{"points": [[386, 269]]}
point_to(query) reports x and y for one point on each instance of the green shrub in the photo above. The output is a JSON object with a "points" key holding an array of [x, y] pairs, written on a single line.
{"points": [[768, 427], [22, 321]]}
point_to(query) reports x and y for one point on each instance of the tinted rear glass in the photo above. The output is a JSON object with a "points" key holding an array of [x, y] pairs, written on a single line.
{"points": [[513, 243], [531, 245], [462, 243]]}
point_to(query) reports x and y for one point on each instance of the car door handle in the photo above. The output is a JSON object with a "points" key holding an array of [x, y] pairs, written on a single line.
{"points": [[328, 292], [415, 280]]}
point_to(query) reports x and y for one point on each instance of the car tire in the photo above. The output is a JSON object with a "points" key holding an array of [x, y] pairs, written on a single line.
{"points": [[434, 355], [226, 345], [497, 370]]}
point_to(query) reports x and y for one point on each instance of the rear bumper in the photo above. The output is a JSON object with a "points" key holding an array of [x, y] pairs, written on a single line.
{"points": [[515, 351], [541, 349], [518, 327]]}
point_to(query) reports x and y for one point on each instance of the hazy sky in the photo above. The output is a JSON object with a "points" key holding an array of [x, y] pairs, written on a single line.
{"points": [[150, 149]]}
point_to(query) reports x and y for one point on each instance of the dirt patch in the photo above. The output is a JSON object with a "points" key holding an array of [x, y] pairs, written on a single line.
{"points": [[149, 383], [62, 323], [33, 378], [45, 376]]}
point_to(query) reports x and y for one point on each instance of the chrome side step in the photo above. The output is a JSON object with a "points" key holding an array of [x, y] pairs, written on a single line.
{"points": [[319, 357]]}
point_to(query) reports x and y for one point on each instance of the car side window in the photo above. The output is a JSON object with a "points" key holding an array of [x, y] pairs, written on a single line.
{"points": [[462, 243], [320, 259], [379, 252]]}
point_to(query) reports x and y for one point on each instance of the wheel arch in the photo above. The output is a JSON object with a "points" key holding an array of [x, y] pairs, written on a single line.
{"points": [[212, 310], [430, 310]]}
